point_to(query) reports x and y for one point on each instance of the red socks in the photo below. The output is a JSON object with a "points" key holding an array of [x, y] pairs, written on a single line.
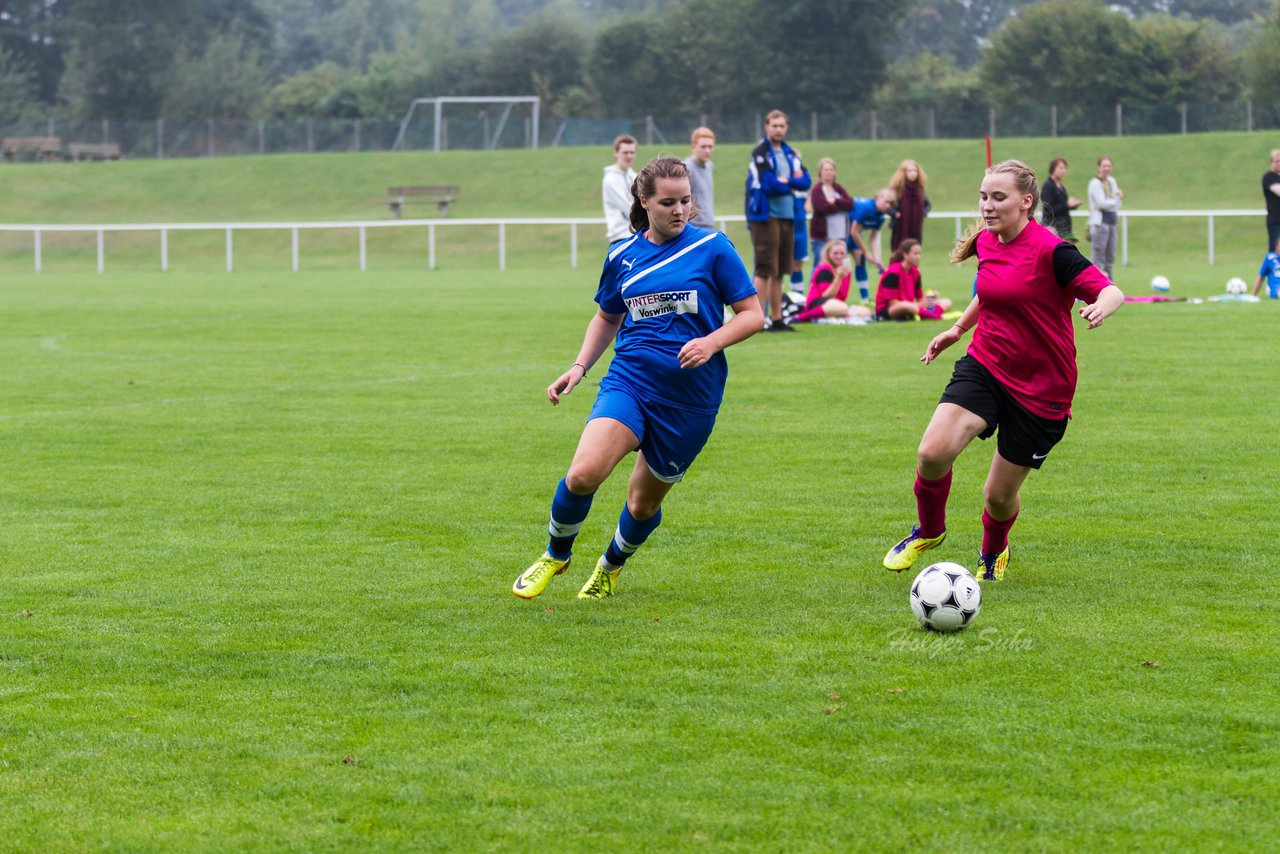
{"points": [[931, 504], [995, 533], [815, 313]]}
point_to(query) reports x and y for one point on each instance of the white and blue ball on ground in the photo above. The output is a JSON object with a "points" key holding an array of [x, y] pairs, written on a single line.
{"points": [[945, 597], [1236, 285], [1160, 284]]}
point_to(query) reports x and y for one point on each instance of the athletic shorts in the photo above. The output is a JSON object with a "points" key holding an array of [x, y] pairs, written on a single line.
{"points": [[772, 241], [671, 437], [1273, 288], [1025, 438]]}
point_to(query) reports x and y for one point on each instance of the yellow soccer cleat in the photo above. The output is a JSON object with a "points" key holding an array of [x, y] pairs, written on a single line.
{"points": [[601, 583], [992, 567], [536, 578], [908, 551]]}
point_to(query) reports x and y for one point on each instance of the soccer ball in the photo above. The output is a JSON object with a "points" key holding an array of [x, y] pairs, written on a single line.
{"points": [[1236, 285], [1160, 284], [945, 597]]}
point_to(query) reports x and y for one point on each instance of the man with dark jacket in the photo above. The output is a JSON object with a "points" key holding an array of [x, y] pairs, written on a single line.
{"points": [[774, 175]]}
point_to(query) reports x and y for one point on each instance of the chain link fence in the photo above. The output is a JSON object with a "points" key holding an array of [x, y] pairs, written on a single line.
{"points": [[473, 130]]}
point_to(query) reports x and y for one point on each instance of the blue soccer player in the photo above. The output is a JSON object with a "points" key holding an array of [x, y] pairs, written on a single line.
{"points": [[867, 218], [1270, 271], [663, 294]]}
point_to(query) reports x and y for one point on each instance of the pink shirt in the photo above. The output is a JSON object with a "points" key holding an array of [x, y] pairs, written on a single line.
{"points": [[1024, 334], [818, 288], [898, 283]]}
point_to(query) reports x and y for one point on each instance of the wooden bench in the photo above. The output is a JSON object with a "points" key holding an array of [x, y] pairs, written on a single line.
{"points": [[93, 151], [48, 147], [400, 196]]}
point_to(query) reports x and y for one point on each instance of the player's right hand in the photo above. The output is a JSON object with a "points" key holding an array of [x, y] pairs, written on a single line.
{"points": [[939, 343], [564, 384]]}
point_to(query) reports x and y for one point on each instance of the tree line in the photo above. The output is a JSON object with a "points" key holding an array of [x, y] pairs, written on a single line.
{"points": [[236, 59]]}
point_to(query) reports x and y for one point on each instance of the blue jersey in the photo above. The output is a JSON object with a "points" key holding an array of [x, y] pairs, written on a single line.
{"points": [[865, 214], [1271, 269], [669, 295]]}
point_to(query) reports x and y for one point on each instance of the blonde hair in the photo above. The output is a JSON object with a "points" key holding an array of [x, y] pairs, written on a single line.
{"points": [[823, 162], [899, 179], [887, 193], [826, 250], [701, 133], [1024, 179]]}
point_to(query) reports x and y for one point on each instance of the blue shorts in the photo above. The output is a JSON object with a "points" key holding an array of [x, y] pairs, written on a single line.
{"points": [[671, 437], [1274, 289]]}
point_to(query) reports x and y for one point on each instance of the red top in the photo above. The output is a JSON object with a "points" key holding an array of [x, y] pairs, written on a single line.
{"points": [[898, 283], [1024, 335], [822, 278]]}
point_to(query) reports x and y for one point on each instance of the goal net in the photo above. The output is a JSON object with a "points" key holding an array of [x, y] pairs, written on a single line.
{"points": [[439, 124]]}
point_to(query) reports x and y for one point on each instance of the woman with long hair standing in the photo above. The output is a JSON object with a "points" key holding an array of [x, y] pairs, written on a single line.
{"points": [[908, 182], [661, 299], [1019, 375]]}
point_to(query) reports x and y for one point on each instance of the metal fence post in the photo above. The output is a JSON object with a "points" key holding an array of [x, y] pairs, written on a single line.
{"points": [[573, 246], [648, 130], [1119, 120], [1124, 240], [1184, 118], [38, 259], [431, 246], [813, 126], [101, 251], [262, 136], [106, 131], [991, 122], [502, 246], [229, 249], [1210, 240], [164, 250], [933, 123], [159, 139], [874, 129], [1053, 120], [295, 249], [209, 130], [362, 250]]}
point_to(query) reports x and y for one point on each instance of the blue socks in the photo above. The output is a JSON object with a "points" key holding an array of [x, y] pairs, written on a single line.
{"points": [[630, 535], [568, 511]]}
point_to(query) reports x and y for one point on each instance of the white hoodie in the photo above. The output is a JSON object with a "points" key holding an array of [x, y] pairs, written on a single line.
{"points": [[616, 190]]}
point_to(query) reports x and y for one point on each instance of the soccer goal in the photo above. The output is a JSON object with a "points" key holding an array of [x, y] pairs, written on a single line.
{"points": [[470, 122]]}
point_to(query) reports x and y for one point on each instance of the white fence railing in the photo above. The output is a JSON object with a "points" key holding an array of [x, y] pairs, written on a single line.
{"points": [[961, 218]]}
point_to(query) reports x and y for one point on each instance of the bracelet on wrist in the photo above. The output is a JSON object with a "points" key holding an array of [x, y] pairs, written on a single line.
{"points": [[963, 329], [580, 365]]}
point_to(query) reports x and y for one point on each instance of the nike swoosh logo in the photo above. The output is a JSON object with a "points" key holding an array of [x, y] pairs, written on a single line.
{"points": [[1038, 456], [520, 586]]}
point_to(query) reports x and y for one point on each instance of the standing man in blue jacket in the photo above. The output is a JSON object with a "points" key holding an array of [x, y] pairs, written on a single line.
{"points": [[774, 175]]}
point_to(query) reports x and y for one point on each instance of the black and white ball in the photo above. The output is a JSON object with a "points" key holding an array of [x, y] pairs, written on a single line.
{"points": [[945, 597]]}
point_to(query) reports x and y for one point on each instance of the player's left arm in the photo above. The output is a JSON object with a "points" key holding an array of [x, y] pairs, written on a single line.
{"points": [[747, 320], [1108, 303]]}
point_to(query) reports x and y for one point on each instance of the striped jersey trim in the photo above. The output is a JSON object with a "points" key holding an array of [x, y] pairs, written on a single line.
{"points": [[647, 270]]}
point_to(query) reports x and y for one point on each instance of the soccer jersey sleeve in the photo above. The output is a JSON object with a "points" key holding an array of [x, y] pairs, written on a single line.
{"points": [[608, 296], [1073, 270], [1266, 263], [728, 273]]}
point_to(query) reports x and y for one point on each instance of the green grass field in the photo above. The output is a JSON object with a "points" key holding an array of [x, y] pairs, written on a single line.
{"points": [[258, 534]]}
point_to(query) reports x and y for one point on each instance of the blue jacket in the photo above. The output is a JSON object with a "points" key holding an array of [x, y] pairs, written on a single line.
{"points": [[762, 179]]}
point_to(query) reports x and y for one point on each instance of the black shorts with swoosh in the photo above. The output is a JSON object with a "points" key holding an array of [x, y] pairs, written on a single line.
{"points": [[1024, 438]]}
